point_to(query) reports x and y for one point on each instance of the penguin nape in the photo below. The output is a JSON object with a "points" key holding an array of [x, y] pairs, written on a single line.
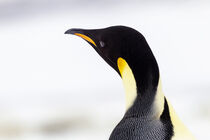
{"points": [[149, 115]]}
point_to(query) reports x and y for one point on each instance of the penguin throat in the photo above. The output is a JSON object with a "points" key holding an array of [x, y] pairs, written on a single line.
{"points": [[129, 82], [130, 87]]}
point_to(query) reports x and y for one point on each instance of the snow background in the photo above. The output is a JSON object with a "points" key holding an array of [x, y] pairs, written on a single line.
{"points": [[55, 86]]}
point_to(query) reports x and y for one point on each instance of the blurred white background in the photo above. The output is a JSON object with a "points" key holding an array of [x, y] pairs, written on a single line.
{"points": [[55, 86]]}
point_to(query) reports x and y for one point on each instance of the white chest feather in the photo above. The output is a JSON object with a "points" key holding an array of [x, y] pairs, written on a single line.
{"points": [[180, 130]]}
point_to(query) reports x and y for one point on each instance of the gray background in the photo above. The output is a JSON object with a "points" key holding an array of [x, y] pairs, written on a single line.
{"points": [[55, 86]]}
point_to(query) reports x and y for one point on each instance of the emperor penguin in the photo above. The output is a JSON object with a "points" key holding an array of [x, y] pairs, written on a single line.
{"points": [[149, 115]]}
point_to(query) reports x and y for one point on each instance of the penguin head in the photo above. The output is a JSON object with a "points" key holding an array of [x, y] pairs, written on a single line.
{"points": [[125, 50], [114, 42]]}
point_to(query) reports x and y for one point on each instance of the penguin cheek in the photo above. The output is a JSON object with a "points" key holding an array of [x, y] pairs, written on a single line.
{"points": [[109, 54]]}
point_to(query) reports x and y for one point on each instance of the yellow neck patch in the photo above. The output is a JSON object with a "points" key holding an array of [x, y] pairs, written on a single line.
{"points": [[129, 82], [86, 38]]}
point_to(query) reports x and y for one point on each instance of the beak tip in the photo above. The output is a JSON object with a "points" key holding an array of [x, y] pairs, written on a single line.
{"points": [[73, 31], [68, 32]]}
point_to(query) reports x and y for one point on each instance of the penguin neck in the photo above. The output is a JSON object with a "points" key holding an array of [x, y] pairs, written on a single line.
{"points": [[143, 90]]}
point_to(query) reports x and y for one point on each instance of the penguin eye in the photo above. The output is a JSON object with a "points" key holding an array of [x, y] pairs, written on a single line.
{"points": [[102, 44]]}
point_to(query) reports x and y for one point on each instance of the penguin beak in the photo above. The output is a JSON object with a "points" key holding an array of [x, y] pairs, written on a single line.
{"points": [[89, 36], [80, 33]]}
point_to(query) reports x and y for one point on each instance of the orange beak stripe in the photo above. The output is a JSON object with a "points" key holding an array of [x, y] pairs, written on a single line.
{"points": [[86, 38]]}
